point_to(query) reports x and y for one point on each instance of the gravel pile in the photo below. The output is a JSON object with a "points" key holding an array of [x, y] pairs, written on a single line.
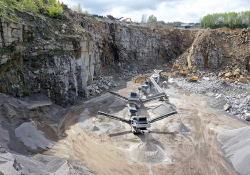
{"points": [[100, 84], [237, 96], [148, 152], [235, 145], [213, 84], [239, 105]]}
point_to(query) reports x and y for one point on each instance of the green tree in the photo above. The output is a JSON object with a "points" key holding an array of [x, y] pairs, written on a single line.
{"points": [[231, 20], [152, 18]]}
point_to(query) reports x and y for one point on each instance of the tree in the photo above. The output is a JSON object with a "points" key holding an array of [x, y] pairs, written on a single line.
{"points": [[232, 20], [144, 18], [86, 12], [152, 18], [79, 8]]}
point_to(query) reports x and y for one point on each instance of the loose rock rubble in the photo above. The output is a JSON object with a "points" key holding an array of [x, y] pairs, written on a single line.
{"points": [[100, 84], [237, 96]]}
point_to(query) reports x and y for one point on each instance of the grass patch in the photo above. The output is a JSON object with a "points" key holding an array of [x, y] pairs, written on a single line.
{"points": [[52, 8], [6, 50]]}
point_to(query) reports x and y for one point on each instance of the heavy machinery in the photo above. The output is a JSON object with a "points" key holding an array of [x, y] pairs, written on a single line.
{"points": [[182, 71], [136, 100], [153, 81], [125, 20], [185, 72], [139, 124]]}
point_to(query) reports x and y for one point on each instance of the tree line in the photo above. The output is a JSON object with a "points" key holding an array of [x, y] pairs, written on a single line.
{"points": [[231, 20], [150, 19]]}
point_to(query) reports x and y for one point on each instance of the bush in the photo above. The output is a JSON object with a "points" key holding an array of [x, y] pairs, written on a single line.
{"points": [[55, 10], [49, 7]]}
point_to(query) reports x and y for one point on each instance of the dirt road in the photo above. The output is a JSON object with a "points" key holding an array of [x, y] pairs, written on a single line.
{"points": [[180, 144]]}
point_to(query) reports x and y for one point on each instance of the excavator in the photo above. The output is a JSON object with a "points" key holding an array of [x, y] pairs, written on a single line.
{"points": [[125, 20], [184, 72]]}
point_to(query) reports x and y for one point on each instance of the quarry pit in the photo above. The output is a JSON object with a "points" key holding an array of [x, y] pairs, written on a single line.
{"points": [[57, 75]]}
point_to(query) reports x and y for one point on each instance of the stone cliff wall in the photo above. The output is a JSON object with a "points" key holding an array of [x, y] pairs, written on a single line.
{"points": [[41, 58], [219, 49], [122, 44], [60, 57]]}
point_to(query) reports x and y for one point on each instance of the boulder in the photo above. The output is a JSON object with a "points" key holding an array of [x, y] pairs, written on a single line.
{"points": [[227, 107], [221, 74], [98, 92], [248, 98], [243, 79], [237, 70], [229, 74], [247, 116], [236, 73]]}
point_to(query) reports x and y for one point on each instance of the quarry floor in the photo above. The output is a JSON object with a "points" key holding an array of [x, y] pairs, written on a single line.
{"points": [[184, 143]]}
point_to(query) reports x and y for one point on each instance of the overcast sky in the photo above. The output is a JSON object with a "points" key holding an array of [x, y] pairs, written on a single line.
{"points": [[164, 10]]}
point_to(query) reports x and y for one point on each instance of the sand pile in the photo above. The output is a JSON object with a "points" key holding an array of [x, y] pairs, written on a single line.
{"points": [[236, 147], [148, 152], [101, 129]]}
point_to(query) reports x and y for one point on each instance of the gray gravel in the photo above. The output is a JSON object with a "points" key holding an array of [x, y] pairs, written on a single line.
{"points": [[223, 92]]}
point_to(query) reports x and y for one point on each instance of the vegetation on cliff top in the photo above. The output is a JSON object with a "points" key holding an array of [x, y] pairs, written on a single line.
{"points": [[52, 8], [231, 20]]}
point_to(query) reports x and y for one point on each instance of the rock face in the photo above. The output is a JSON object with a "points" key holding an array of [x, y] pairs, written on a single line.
{"points": [[123, 44], [205, 52], [215, 48], [43, 59], [60, 57]]}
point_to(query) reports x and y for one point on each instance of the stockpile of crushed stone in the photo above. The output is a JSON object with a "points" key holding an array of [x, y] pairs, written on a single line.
{"points": [[210, 85], [237, 97], [163, 109], [236, 147], [16, 164], [180, 128], [148, 152]]}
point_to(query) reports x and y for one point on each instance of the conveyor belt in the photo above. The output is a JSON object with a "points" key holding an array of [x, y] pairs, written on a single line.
{"points": [[153, 98], [118, 95], [162, 117], [156, 85], [113, 117]]}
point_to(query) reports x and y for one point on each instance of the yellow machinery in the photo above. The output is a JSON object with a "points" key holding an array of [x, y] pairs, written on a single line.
{"points": [[182, 71], [185, 72], [124, 20], [192, 79]]}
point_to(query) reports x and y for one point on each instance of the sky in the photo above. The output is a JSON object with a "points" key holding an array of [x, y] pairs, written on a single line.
{"points": [[164, 10]]}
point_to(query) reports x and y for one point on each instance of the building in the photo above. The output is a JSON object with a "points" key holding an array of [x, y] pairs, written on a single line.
{"points": [[188, 26]]}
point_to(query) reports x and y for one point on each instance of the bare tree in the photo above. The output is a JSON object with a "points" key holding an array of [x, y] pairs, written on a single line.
{"points": [[144, 18]]}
